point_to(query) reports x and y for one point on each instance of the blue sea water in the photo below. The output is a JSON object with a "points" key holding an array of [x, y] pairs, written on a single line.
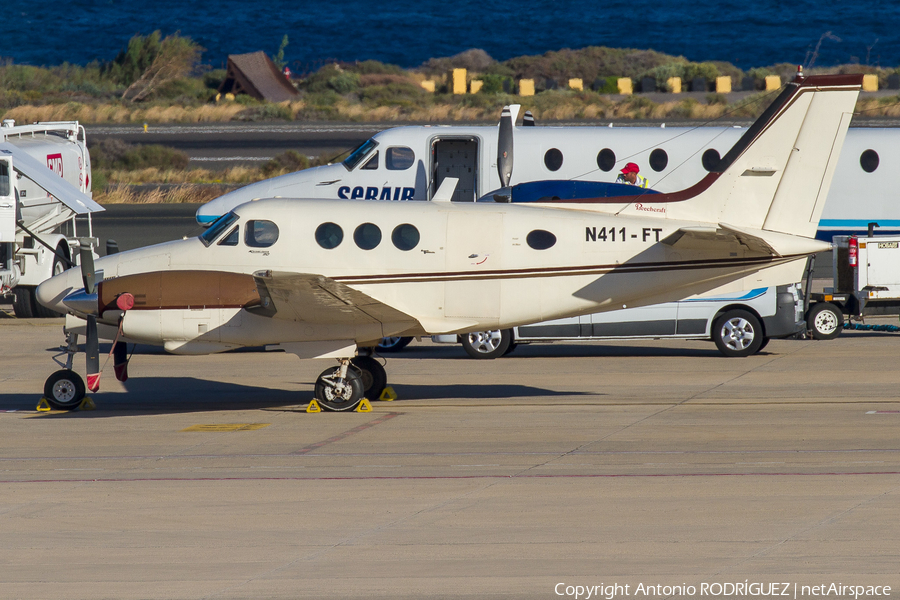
{"points": [[747, 33]]}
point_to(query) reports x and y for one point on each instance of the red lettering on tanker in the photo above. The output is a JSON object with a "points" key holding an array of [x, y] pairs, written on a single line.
{"points": [[55, 164]]}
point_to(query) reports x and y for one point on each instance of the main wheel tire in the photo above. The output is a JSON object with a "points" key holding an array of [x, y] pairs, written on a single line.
{"points": [[38, 309], [23, 302], [765, 343], [393, 344], [64, 389], [737, 333], [487, 344], [374, 377], [339, 394], [825, 321]]}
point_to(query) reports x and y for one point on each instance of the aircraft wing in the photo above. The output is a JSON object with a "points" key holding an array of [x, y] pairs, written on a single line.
{"points": [[52, 183], [318, 299], [756, 240]]}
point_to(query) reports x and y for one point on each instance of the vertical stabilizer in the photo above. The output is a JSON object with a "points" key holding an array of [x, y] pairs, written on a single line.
{"points": [[776, 177]]}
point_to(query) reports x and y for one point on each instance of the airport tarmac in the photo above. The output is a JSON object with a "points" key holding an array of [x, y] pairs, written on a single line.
{"points": [[655, 463]]}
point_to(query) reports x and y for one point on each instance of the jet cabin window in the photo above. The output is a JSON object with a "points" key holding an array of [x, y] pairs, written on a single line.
{"points": [[359, 154], [232, 238], [261, 234], [400, 158], [329, 235], [217, 228]]}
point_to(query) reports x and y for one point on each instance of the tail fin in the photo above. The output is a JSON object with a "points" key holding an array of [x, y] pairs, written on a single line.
{"points": [[776, 177]]}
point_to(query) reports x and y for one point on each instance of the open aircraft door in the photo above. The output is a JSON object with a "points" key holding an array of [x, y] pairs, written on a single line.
{"points": [[455, 157]]}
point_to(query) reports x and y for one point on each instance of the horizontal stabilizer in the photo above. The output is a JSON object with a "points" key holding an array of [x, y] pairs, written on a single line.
{"points": [[52, 183], [756, 240]]}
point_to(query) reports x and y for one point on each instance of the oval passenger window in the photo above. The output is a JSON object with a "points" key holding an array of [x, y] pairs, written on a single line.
{"points": [[329, 235], [658, 159], [869, 160], [400, 158], [367, 236], [260, 234], [405, 237], [553, 159], [711, 160], [606, 160], [540, 239]]}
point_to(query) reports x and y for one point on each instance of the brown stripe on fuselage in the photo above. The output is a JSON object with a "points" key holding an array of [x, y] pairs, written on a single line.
{"points": [[181, 289]]}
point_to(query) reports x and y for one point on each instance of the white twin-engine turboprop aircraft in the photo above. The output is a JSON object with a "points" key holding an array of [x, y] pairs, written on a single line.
{"points": [[329, 278]]}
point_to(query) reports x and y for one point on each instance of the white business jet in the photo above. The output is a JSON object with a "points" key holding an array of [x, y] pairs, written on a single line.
{"points": [[330, 278]]}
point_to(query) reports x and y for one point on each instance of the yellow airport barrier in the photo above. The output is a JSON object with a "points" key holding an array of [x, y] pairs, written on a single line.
{"points": [[773, 82], [723, 84], [526, 87], [625, 86], [870, 83], [388, 394], [364, 406], [87, 404], [674, 84], [459, 81], [313, 407], [229, 96], [428, 84], [43, 405], [576, 84], [475, 86]]}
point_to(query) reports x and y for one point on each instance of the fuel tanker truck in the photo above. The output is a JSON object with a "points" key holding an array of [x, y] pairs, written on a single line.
{"points": [[45, 183]]}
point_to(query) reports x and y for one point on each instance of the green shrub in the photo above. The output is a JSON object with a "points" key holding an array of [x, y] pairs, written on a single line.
{"points": [[373, 67], [266, 112], [112, 154], [290, 160], [493, 84], [394, 94]]}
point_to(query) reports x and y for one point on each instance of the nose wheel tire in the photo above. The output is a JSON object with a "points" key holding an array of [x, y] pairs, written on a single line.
{"points": [[336, 393], [487, 344], [64, 389], [737, 333], [825, 321], [374, 377]]}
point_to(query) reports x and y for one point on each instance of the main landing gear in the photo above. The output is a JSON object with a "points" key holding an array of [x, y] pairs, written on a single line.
{"points": [[343, 387]]}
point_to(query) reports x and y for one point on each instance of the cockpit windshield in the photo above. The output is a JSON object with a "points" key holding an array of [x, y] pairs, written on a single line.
{"points": [[360, 153], [216, 229]]}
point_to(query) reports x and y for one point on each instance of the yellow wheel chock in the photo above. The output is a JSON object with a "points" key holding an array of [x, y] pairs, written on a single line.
{"points": [[87, 404], [313, 407], [388, 394], [364, 406], [43, 405]]}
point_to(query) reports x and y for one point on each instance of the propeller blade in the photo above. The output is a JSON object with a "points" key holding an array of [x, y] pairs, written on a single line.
{"points": [[505, 147], [88, 275], [92, 350], [112, 247], [120, 361], [528, 119]]}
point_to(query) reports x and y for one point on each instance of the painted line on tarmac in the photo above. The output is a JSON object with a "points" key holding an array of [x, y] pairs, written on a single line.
{"points": [[348, 433], [449, 477]]}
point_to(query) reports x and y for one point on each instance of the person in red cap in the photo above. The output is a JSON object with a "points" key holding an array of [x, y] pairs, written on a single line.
{"points": [[631, 174]]}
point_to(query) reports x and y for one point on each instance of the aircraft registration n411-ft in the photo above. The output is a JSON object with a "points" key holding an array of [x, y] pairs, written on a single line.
{"points": [[330, 278]]}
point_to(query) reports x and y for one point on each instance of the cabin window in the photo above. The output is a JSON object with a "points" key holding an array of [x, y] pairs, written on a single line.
{"points": [[329, 235], [540, 239], [553, 159], [218, 227], [371, 164], [367, 236], [658, 159], [360, 153], [399, 158], [869, 160], [260, 234], [711, 160], [232, 238], [606, 160], [405, 237]]}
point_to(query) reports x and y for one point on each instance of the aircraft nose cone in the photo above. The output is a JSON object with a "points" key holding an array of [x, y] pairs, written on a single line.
{"points": [[51, 292]]}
